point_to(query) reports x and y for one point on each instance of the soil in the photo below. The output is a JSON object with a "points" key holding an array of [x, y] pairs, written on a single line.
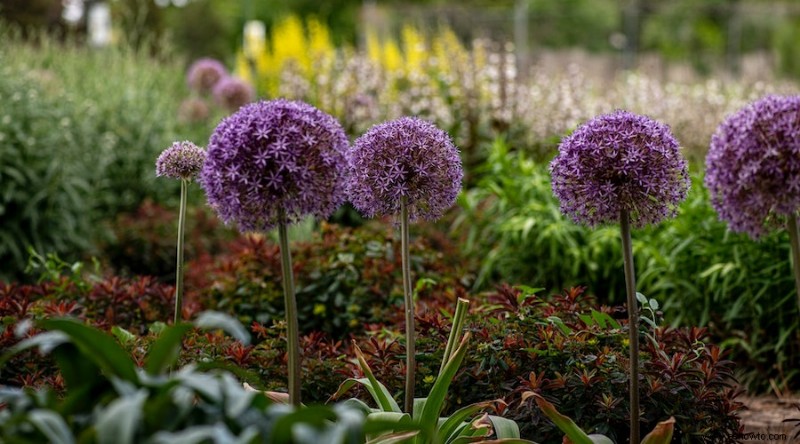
{"points": [[763, 419]]}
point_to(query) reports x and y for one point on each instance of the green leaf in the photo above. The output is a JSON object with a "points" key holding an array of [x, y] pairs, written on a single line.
{"points": [[560, 324], [378, 391], [97, 346], [433, 407], [118, 422], [662, 433], [46, 342], [165, 350], [52, 426], [212, 320], [641, 298], [504, 428], [122, 335], [653, 304], [564, 423], [600, 439], [380, 394], [452, 423], [315, 416]]}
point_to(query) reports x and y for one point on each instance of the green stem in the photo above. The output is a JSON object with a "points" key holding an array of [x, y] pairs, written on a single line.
{"points": [[292, 331], [408, 299], [179, 265], [794, 240], [455, 331], [633, 322]]}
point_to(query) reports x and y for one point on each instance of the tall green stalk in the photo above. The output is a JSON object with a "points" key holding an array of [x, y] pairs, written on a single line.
{"points": [[794, 240], [179, 265], [633, 322], [290, 303], [408, 300]]}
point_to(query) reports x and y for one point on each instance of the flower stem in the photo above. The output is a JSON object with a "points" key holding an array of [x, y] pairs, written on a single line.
{"points": [[455, 331], [179, 265], [408, 299], [292, 333], [794, 240], [633, 322]]}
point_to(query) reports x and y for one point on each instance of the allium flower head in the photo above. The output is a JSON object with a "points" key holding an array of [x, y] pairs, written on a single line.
{"points": [[753, 165], [193, 110], [405, 157], [204, 73], [182, 160], [232, 93], [620, 161], [275, 157]]}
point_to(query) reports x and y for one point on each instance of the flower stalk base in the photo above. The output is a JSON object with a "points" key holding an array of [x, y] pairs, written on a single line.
{"points": [[290, 302], [633, 321]]}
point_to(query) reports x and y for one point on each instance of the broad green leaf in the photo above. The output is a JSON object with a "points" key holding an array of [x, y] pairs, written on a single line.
{"points": [[165, 350], [52, 425], [560, 324], [212, 320], [96, 345], [504, 428], [436, 397], [662, 433], [641, 298], [452, 423], [315, 416], [117, 423], [604, 319], [390, 405], [564, 423], [393, 438], [600, 439]]}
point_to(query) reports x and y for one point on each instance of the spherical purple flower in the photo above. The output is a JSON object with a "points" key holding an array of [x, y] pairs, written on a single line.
{"points": [[620, 161], [204, 74], [753, 165], [232, 93], [407, 157], [275, 161], [193, 110], [182, 160]]}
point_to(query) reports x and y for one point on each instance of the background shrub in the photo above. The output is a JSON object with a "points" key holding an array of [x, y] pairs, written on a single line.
{"points": [[740, 289], [80, 131]]}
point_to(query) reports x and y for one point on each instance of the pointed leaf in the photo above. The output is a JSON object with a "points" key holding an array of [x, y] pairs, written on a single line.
{"points": [[662, 433], [97, 346], [117, 423], [165, 350], [213, 320], [394, 438], [378, 391], [451, 425], [52, 426], [504, 428], [565, 424], [436, 397]]}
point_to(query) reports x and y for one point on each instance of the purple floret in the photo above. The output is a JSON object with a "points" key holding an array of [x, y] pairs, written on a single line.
{"points": [[405, 157], [204, 74], [232, 93], [274, 160], [753, 165], [182, 160], [620, 161]]}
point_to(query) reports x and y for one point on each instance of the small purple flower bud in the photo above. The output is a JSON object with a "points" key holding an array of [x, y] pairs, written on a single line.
{"points": [[273, 162], [232, 93], [753, 165], [620, 161], [407, 157], [182, 160]]}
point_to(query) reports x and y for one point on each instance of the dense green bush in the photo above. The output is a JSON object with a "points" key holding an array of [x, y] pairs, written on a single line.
{"points": [[46, 186], [80, 130], [344, 278], [740, 289]]}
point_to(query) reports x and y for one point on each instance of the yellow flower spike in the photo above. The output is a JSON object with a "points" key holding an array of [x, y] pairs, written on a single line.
{"points": [[414, 49], [374, 51], [392, 57]]}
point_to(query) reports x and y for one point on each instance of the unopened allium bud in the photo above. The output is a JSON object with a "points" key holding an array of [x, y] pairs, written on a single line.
{"points": [[753, 165], [182, 160], [193, 110], [204, 74], [620, 161], [407, 157], [274, 160], [232, 93]]}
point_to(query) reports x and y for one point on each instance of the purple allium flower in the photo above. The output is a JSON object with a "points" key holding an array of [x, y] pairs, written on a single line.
{"points": [[193, 110], [204, 73], [232, 93], [405, 157], [753, 165], [273, 157], [620, 161], [182, 160]]}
